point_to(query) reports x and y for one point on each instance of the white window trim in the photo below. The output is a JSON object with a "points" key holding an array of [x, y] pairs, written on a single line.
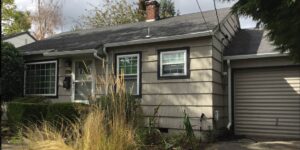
{"points": [[173, 74], [41, 62], [138, 68]]}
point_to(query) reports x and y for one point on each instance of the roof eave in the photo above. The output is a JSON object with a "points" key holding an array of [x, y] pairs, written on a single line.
{"points": [[254, 56], [52, 52]]}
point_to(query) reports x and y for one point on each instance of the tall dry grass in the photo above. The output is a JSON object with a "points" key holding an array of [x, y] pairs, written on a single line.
{"points": [[102, 129]]}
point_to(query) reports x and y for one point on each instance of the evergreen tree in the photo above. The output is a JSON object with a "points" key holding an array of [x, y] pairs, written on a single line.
{"points": [[11, 71]]}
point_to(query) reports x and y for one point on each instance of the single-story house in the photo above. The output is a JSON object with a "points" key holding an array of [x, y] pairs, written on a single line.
{"points": [[222, 76], [19, 39]]}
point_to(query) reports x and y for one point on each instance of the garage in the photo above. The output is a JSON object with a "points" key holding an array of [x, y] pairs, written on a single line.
{"points": [[266, 101]]}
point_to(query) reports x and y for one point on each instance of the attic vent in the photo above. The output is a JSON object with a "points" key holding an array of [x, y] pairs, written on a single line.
{"points": [[148, 33]]}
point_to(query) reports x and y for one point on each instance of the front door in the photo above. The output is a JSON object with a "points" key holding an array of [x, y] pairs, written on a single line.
{"points": [[83, 88]]}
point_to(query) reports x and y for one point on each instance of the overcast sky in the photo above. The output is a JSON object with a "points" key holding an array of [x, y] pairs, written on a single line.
{"points": [[72, 9]]}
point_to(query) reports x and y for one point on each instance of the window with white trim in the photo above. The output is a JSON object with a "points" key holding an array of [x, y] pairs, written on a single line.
{"points": [[41, 78], [129, 65], [173, 63]]}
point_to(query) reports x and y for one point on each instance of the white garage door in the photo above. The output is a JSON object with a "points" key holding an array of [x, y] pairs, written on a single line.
{"points": [[267, 102]]}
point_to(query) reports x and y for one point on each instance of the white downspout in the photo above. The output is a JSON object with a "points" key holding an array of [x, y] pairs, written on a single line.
{"points": [[106, 64], [106, 67], [229, 95]]}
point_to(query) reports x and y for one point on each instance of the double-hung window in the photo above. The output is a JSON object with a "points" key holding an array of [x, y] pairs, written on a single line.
{"points": [[129, 66], [173, 63], [41, 78]]}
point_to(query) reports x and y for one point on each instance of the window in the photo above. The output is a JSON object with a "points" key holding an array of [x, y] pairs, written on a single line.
{"points": [[173, 63], [129, 65], [41, 78]]}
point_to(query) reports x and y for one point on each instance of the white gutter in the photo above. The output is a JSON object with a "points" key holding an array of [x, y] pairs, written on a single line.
{"points": [[252, 56], [229, 95], [161, 39], [71, 52], [37, 52]]}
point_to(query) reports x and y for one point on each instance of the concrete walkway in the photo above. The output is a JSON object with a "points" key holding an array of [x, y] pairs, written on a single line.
{"points": [[247, 144]]}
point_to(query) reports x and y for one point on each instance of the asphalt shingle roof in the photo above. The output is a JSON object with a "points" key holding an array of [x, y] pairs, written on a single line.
{"points": [[250, 41], [93, 38]]}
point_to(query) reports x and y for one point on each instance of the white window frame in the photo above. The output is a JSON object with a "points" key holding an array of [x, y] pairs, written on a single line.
{"points": [[41, 62], [172, 52], [138, 68]]}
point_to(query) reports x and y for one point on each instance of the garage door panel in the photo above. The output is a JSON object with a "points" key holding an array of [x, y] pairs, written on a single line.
{"points": [[245, 86], [273, 124], [269, 126], [282, 93], [247, 79], [267, 116], [276, 112], [275, 82], [266, 97], [250, 131], [268, 73], [267, 102], [271, 119], [296, 89], [268, 134]]}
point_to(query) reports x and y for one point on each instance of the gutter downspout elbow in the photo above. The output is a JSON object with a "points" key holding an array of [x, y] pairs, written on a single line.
{"points": [[96, 56], [229, 95]]}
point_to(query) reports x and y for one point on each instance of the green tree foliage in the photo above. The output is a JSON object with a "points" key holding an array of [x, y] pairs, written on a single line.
{"points": [[166, 9], [280, 17], [141, 10], [11, 70], [113, 12], [13, 21]]}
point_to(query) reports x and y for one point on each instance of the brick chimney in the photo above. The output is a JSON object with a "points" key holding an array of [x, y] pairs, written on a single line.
{"points": [[152, 10]]}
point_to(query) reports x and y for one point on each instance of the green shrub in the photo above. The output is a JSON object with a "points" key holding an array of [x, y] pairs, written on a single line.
{"points": [[11, 71], [24, 113], [20, 113], [64, 113], [31, 99]]}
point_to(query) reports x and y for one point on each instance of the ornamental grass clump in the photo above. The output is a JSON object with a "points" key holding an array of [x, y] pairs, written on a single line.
{"points": [[102, 128]]}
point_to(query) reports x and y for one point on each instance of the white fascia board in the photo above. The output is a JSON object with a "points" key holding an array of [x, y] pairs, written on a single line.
{"points": [[253, 56], [37, 52], [72, 52], [161, 39]]}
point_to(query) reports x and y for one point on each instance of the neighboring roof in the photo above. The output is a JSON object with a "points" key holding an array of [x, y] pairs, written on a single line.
{"points": [[249, 42], [5, 37], [94, 38]]}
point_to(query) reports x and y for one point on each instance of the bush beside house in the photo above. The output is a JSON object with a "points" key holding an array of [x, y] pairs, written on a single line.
{"points": [[12, 66], [27, 111]]}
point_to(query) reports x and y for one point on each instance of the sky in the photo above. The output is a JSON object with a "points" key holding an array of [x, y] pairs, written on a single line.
{"points": [[73, 9]]}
